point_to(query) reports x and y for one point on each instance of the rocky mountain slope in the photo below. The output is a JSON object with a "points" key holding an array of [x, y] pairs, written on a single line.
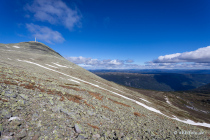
{"points": [[44, 96]]}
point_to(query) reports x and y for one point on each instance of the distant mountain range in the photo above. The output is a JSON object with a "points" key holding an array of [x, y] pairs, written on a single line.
{"points": [[157, 80], [203, 89], [155, 71]]}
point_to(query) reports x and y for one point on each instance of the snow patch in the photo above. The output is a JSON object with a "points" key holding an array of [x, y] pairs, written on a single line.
{"points": [[144, 100], [16, 46], [9, 59], [192, 122], [74, 81], [14, 118], [117, 89], [60, 65], [167, 101], [51, 66], [101, 83]]}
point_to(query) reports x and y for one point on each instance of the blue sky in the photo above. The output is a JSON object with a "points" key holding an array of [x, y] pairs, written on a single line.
{"points": [[114, 34]]}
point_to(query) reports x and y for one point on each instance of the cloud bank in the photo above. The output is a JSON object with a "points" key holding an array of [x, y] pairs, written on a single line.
{"points": [[101, 64], [45, 34], [55, 12], [201, 55], [198, 59]]}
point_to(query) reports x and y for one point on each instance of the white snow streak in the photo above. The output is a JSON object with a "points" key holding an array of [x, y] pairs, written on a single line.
{"points": [[141, 104], [9, 59], [117, 89], [16, 47], [101, 83], [74, 81], [191, 122], [60, 65], [167, 101], [51, 66], [14, 118], [144, 100]]}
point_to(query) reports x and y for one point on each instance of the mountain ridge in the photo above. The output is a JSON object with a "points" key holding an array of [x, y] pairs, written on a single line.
{"points": [[157, 81], [44, 96]]}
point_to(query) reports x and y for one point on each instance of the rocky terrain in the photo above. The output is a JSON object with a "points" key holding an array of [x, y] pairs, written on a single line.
{"points": [[44, 96]]}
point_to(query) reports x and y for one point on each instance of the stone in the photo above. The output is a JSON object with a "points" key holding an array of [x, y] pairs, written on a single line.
{"points": [[21, 102], [15, 124], [96, 136], [10, 71], [81, 137], [36, 136], [40, 95], [10, 94], [5, 114], [2, 93], [90, 113], [78, 128], [71, 114], [24, 96], [22, 134]]}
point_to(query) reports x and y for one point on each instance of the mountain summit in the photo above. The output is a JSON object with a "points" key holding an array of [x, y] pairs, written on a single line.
{"points": [[45, 96]]}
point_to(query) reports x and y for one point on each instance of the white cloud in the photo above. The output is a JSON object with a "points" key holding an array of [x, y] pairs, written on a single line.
{"points": [[198, 59], [44, 33], [129, 61], [55, 12], [105, 64], [201, 55]]}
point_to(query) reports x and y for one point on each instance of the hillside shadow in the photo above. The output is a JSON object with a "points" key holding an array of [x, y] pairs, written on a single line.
{"points": [[175, 81]]}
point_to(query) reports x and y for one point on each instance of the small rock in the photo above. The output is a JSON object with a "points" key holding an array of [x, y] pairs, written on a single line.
{"points": [[51, 102], [36, 136], [96, 136], [56, 109], [21, 102], [6, 138], [24, 96], [40, 95], [22, 134], [10, 94], [71, 114], [10, 71], [2, 93], [105, 118], [77, 128], [15, 124], [81, 137], [90, 113], [5, 114]]}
